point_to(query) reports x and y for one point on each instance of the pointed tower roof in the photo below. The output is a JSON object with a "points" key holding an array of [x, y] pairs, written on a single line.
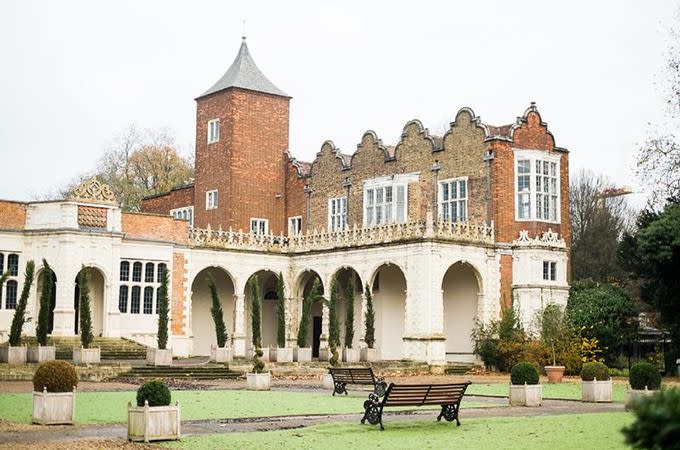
{"points": [[244, 74]]}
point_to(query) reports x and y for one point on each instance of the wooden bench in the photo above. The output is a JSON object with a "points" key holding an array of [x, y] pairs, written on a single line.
{"points": [[448, 396], [342, 376]]}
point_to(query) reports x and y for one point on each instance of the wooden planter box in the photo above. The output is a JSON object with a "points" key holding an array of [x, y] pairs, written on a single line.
{"points": [[302, 354], [13, 355], [526, 394], [370, 354], [221, 354], [282, 354], [350, 355], [635, 395], [41, 354], [596, 391], [86, 355], [156, 357], [153, 423], [54, 408], [258, 381]]}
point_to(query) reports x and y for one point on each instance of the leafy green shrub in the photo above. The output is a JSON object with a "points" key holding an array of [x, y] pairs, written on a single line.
{"points": [[644, 374], [657, 420], [216, 311], [163, 311], [280, 311], [349, 314], [45, 300], [86, 336], [619, 372], [56, 376], [313, 295], [524, 373], [369, 318], [256, 317], [155, 392], [595, 371], [19, 318]]}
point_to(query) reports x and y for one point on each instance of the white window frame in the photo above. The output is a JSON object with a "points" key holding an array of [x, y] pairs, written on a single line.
{"points": [[551, 272], [213, 131], [533, 156], [337, 214], [211, 199], [259, 226], [294, 225], [458, 201], [382, 204], [186, 213]]}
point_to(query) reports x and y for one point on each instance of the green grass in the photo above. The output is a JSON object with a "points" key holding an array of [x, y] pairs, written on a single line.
{"points": [[578, 431], [567, 391], [111, 407]]}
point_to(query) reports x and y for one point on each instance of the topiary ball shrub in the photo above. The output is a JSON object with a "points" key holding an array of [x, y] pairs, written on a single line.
{"points": [[595, 371], [155, 392], [56, 376], [523, 373], [644, 374], [656, 421]]}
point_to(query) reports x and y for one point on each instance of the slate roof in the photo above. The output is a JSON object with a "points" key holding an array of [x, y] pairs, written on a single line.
{"points": [[244, 74]]}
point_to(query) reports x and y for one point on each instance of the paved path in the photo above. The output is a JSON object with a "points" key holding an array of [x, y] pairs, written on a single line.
{"points": [[498, 408]]}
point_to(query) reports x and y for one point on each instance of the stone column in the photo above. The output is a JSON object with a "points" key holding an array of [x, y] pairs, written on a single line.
{"points": [[64, 314], [111, 314], [292, 321], [362, 327], [238, 336]]}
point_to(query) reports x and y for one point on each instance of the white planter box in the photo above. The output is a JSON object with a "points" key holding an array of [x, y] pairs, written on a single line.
{"points": [[258, 381], [634, 395], [156, 357], [86, 355], [324, 354], [350, 355], [526, 394], [302, 354], [41, 354], [54, 408], [327, 382], [153, 423], [13, 355], [370, 354], [221, 354], [283, 354], [596, 391]]}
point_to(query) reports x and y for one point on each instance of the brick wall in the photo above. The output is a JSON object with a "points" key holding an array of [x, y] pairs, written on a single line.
{"points": [[163, 203], [12, 215], [178, 264], [295, 197], [150, 226]]}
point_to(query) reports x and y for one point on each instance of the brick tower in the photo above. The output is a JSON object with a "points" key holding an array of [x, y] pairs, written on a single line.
{"points": [[241, 140]]}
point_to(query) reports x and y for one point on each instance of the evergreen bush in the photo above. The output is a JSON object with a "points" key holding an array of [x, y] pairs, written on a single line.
{"points": [[349, 316], [333, 324], [369, 318], [644, 374], [56, 376], [256, 317], [280, 311], [657, 421], [163, 311], [217, 315], [524, 373], [45, 298], [19, 318], [311, 297], [86, 336], [155, 392], [595, 371]]}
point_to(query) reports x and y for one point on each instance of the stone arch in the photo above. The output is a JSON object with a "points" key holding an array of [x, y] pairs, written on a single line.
{"points": [[267, 278], [97, 284], [303, 285], [343, 275], [388, 286], [201, 324], [461, 286]]}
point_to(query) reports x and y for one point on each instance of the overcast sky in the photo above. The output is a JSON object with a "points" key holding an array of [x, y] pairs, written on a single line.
{"points": [[75, 74]]}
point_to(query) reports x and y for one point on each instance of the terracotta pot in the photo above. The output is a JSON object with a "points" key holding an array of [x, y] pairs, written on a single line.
{"points": [[555, 373]]}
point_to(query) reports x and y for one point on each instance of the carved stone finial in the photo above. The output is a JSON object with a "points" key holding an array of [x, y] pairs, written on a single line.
{"points": [[93, 191]]}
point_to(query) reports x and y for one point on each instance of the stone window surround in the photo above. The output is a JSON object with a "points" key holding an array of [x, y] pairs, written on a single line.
{"points": [[213, 131], [549, 271], [211, 199], [294, 225], [337, 214], [395, 181], [259, 226], [457, 200], [533, 156]]}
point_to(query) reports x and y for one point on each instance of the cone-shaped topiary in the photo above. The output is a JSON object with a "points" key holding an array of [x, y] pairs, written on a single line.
{"points": [[45, 297], [155, 392], [163, 311], [19, 318], [56, 376], [256, 317], [333, 323], [595, 371], [524, 373], [349, 317], [217, 315], [280, 311], [311, 297], [86, 336], [369, 318], [644, 374], [657, 420]]}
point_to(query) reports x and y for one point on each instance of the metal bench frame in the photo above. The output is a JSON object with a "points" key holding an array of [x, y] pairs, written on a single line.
{"points": [[342, 376], [417, 395]]}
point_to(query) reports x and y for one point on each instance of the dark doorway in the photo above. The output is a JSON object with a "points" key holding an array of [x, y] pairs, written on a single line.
{"points": [[76, 306], [316, 336]]}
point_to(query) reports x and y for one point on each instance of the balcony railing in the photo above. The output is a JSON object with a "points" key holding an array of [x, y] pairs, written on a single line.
{"points": [[459, 232]]}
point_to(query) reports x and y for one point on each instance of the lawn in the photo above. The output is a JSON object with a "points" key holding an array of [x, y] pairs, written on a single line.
{"points": [[567, 391], [110, 407], [577, 431]]}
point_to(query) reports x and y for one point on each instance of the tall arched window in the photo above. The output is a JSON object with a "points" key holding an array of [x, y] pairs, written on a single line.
{"points": [[2, 263], [161, 271], [123, 299], [148, 273], [124, 270], [13, 264], [11, 294], [137, 271], [134, 303], [148, 300]]}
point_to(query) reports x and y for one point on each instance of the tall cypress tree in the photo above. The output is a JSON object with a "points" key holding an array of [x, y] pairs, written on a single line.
{"points": [[312, 296], [163, 308], [349, 317], [216, 311], [334, 326], [369, 318], [45, 299], [280, 311], [256, 317], [20, 312], [86, 336]]}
